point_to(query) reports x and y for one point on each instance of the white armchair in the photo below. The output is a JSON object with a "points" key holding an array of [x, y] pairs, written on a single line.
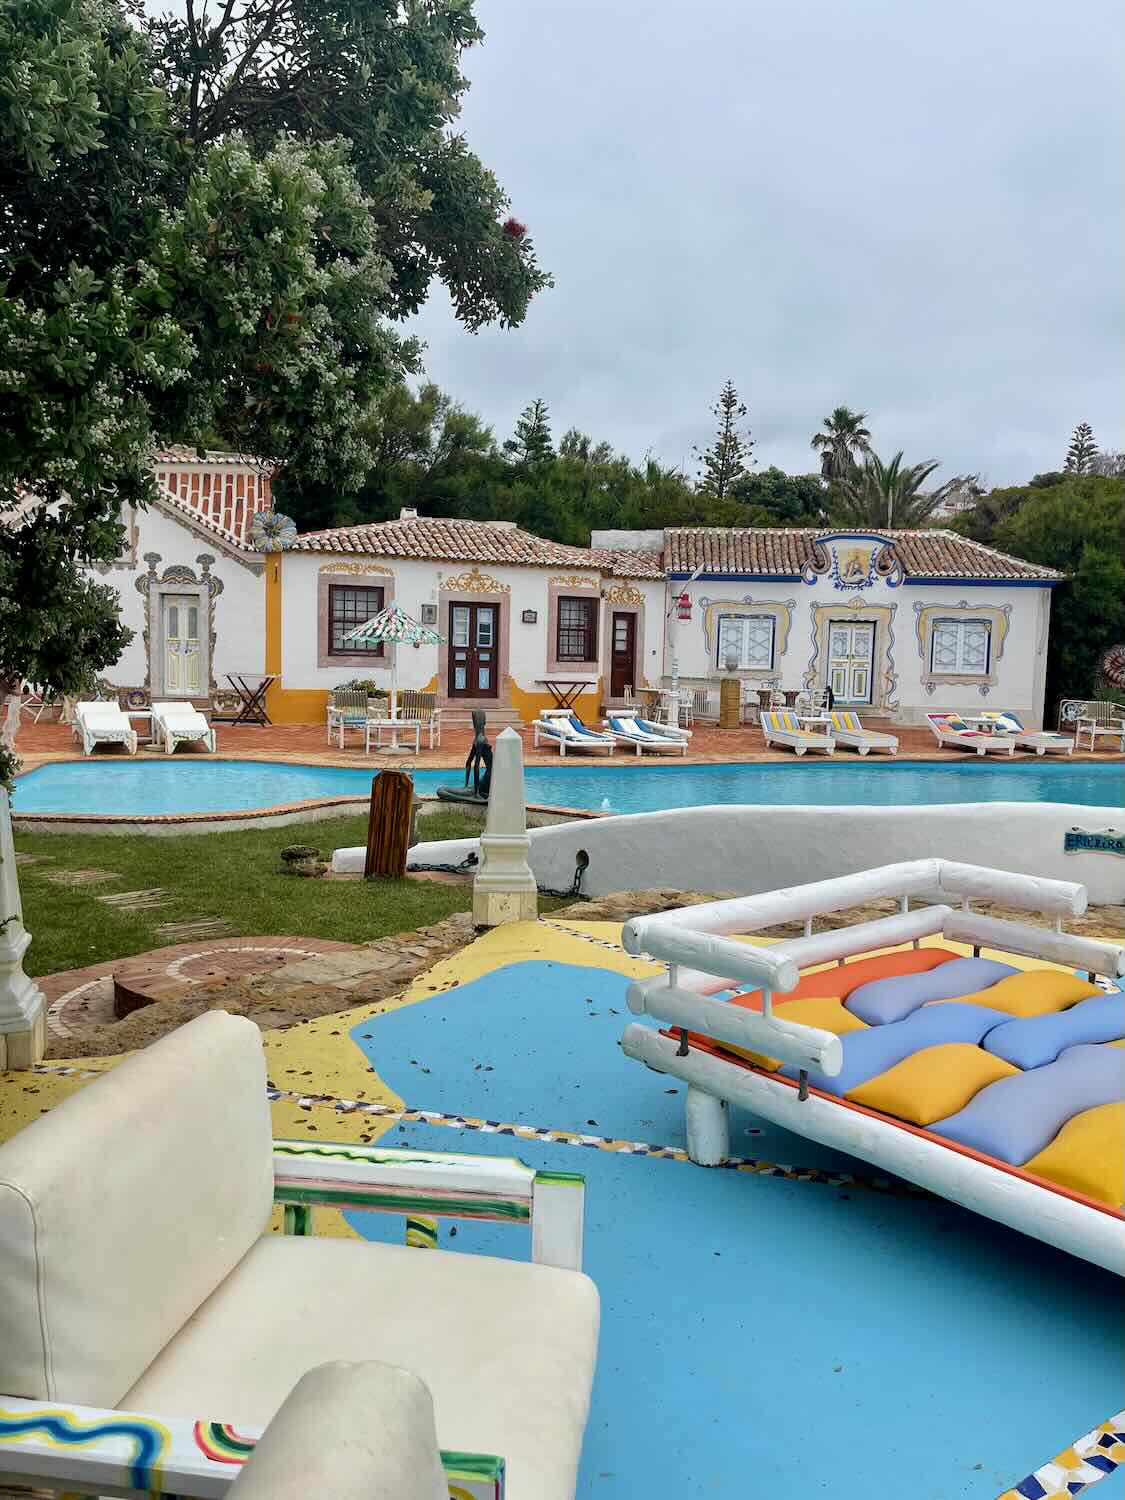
{"points": [[138, 1278]]}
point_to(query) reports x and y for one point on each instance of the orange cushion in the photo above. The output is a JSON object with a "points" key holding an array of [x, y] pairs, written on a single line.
{"points": [[839, 981]]}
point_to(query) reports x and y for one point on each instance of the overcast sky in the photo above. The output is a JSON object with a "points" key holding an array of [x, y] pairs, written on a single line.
{"points": [[913, 209]]}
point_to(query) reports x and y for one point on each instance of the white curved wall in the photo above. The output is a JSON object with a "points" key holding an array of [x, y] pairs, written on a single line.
{"points": [[749, 849]]}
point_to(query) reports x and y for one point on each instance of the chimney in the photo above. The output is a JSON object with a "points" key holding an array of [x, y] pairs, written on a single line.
{"points": [[408, 513]]}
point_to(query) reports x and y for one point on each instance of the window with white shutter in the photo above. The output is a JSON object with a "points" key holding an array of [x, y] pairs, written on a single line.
{"points": [[961, 648], [751, 637]]}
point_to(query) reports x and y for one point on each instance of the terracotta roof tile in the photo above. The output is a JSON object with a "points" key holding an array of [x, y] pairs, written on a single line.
{"points": [[784, 551], [184, 453], [442, 539]]}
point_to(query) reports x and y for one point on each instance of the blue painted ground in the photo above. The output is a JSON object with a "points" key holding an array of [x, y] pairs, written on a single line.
{"points": [[758, 1336], [186, 784]]}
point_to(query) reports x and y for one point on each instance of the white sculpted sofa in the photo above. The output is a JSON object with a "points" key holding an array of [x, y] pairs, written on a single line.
{"points": [[151, 1326]]}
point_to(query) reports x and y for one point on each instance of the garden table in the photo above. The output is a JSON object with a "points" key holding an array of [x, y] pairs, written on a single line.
{"points": [[251, 688], [565, 690]]}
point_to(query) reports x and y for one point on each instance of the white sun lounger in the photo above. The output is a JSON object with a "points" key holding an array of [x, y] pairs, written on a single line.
{"points": [[847, 730], [662, 731], [626, 729], [98, 723], [781, 728], [1039, 740], [173, 723], [560, 727], [950, 729]]}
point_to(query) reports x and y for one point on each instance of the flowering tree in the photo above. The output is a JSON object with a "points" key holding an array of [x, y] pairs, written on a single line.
{"points": [[189, 252]]}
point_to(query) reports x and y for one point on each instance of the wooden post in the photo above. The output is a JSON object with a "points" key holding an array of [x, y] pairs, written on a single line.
{"points": [[730, 689], [388, 824]]}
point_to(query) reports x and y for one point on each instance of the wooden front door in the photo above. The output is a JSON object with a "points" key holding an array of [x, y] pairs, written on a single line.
{"points": [[182, 646], [623, 654], [850, 650], [474, 650]]}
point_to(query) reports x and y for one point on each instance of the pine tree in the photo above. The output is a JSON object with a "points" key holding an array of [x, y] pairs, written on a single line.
{"points": [[729, 455], [1083, 450], [532, 442]]}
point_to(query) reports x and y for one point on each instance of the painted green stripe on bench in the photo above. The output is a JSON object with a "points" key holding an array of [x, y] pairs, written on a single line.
{"points": [[362, 1195]]}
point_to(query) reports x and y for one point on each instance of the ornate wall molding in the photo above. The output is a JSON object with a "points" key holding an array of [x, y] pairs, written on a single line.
{"points": [[623, 594], [999, 619], [573, 581], [360, 570], [781, 609], [178, 577], [474, 582], [884, 678]]}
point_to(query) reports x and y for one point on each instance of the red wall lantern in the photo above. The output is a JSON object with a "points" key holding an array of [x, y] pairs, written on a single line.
{"points": [[683, 607]]}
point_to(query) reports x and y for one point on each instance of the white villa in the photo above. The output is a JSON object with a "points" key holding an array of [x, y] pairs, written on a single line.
{"points": [[895, 622]]}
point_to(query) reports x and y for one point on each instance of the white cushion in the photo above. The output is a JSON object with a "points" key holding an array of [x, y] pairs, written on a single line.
{"points": [[123, 1208], [507, 1349], [351, 1432], [98, 711]]}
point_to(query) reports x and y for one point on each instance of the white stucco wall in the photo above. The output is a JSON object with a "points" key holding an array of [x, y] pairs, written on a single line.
{"points": [[239, 619], [751, 849], [1019, 617]]}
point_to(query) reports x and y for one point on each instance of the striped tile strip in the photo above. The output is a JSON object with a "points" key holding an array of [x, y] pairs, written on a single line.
{"points": [[1088, 1459]]}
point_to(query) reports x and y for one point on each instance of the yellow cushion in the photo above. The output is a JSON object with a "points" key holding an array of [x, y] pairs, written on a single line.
{"points": [[1036, 993], [826, 1011], [932, 1083], [1087, 1154], [847, 722]]}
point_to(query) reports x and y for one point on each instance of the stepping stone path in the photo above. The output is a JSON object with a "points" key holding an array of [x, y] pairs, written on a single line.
{"points": [[137, 900], [81, 877], [33, 859], [204, 927]]}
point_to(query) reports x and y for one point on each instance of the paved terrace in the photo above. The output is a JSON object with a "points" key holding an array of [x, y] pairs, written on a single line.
{"points": [[306, 743]]}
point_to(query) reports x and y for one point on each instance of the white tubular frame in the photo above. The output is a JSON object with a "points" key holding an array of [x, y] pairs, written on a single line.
{"points": [[1035, 942], [1051, 1217], [437, 1184], [86, 1450]]}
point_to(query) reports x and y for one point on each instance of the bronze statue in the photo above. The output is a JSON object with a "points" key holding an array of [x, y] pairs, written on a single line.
{"points": [[479, 764]]}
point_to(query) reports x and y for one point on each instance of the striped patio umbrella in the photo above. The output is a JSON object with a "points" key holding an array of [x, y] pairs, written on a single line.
{"points": [[394, 627]]}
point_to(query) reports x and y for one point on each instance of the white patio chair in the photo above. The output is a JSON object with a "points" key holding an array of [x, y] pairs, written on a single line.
{"points": [[144, 1291], [1098, 720], [179, 723], [97, 723], [422, 706], [347, 709]]}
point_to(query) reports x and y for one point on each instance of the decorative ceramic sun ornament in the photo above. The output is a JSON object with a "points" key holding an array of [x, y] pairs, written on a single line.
{"points": [[1113, 666], [270, 531]]}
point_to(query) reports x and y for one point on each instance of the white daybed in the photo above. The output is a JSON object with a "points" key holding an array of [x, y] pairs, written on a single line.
{"points": [[703, 962], [102, 723], [179, 723], [780, 727], [1042, 741], [950, 729], [140, 1277]]}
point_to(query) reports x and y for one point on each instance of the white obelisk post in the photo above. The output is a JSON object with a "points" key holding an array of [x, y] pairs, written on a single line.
{"points": [[504, 888], [23, 1024]]}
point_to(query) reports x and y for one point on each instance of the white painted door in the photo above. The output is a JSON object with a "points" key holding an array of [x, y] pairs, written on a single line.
{"points": [[851, 646], [182, 646]]}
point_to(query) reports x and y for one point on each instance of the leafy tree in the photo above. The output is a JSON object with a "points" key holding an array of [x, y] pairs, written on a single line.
{"points": [[1110, 465], [841, 442], [729, 455], [386, 78], [532, 442], [889, 494], [1082, 451], [773, 498], [179, 264], [1079, 528]]}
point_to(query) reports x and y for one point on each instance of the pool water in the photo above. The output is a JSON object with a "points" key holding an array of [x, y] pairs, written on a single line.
{"points": [[145, 788]]}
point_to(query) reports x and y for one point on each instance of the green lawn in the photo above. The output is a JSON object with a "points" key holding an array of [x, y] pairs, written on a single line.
{"points": [[234, 876]]}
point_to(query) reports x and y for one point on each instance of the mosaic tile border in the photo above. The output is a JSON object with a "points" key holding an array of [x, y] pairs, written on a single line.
{"points": [[1089, 1459]]}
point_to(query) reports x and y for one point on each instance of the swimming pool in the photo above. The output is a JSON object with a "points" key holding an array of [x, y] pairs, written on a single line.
{"points": [[148, 788]]}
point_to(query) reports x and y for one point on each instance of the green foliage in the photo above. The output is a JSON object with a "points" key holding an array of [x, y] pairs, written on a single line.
{"points": [[1079, 528], [729, 455], [841, 442], [1083, 450], [207, 225], [773, 498], [531, 445], [887, 494]]}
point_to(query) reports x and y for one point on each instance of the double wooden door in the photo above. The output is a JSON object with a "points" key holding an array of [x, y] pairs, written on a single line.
{"points": [[474, 651]]}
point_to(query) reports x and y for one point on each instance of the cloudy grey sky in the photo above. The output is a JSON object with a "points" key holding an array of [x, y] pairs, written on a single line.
{"points": [[908, 206]]}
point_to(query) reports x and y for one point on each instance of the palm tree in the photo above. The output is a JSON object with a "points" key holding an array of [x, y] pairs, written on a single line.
{"points": [[889, 494], [842, 439]]}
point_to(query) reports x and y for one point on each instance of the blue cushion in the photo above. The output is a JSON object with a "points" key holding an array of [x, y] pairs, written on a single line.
{"points": [[871, 1052], [1015, 1118], [884, 1000], [1033, 1041]]}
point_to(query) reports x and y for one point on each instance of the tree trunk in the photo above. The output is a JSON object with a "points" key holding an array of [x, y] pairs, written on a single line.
{"points": [[10, 719]]}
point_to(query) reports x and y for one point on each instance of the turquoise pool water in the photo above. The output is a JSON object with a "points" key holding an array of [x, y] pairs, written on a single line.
{"points": [[137, 788]]}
